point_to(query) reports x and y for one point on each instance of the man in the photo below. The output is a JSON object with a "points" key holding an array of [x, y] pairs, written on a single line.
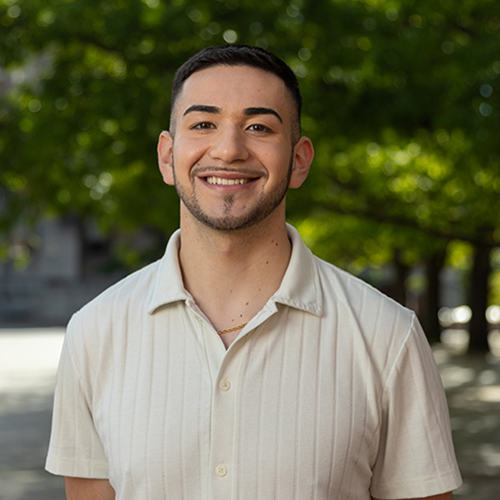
{"points": [[240, 366]]}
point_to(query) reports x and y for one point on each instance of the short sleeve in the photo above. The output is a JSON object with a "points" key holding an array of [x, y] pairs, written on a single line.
{"points": [[416, 457], [75, 447]]}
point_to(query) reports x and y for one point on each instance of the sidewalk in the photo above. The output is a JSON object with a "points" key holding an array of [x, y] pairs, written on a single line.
{"points": [[473, 390], [28, 360]]}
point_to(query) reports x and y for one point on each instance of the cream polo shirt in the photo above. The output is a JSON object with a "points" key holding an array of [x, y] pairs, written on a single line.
{"points": [[329, 392]]}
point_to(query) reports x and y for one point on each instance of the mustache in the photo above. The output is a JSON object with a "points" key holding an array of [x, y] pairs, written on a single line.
{"points": [[249, 172]]}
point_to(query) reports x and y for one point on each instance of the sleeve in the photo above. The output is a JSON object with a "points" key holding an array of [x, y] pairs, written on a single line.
{"points": [[75, 447], [416, 457]]}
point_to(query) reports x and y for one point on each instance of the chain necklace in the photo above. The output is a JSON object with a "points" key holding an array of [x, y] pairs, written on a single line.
{"points": [[227, 330]]}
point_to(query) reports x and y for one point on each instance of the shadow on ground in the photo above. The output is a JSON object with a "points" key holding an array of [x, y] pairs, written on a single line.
{"points": [[24, 431], [472, 386], [28, 361]]}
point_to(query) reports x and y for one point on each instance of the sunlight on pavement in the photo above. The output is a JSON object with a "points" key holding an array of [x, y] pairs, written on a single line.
{"points": [[455, 376], [472, 383], [494, 340], [456, 341], [490, 454], [490, 394], [28, 366], [28, 359]]}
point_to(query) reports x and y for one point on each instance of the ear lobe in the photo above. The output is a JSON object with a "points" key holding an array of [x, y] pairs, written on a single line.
{"points": [[165, 143], [302, 158]]}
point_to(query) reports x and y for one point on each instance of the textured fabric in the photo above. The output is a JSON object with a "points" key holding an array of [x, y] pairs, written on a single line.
{"points": [[330, 392]]}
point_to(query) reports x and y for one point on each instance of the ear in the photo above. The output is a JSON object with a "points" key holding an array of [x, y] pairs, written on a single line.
{"points": [[165, 143], [303, 154]]}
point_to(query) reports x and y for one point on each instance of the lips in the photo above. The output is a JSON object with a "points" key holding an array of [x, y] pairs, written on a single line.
{"points": [[227, 178]]}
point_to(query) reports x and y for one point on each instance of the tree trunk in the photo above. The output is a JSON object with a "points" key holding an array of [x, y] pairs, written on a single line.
{"points": [[478, 298], [398, 292], [430, 321]]}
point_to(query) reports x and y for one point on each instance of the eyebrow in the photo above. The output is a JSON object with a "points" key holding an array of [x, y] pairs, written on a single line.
{"points": [[262, 111], [248, 111], [203, 108]]}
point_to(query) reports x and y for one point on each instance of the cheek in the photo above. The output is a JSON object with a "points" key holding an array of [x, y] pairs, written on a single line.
{"points": [[278, 160], [188, 152]]}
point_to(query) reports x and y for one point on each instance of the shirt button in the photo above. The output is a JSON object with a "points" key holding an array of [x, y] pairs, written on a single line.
{"points": [[221, 470], [224, 385]]}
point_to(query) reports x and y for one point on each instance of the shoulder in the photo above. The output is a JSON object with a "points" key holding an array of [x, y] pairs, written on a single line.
{"points": [[347, 302], [349, 288], [115, 304], [371, 329], [357, 301], [123, 312], [135, 286]]}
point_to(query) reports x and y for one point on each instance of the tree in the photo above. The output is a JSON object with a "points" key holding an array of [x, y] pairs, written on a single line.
{"points": [[400, 100]]}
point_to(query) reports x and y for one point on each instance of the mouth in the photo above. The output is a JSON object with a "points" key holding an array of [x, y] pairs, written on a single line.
{"points": [[223, 181], [226, 179]]}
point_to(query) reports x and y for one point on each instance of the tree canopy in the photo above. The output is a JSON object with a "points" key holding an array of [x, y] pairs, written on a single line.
{"points": [[401, 99]]}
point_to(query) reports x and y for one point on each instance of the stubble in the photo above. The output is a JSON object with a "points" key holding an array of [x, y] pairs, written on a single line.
{"points": [[265, 205]]}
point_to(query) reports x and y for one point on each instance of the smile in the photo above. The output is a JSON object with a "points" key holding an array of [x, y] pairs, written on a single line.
{"points": [[226, 182]]}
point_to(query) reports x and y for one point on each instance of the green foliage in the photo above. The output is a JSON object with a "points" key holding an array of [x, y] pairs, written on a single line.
{"points": [[401, 101]]}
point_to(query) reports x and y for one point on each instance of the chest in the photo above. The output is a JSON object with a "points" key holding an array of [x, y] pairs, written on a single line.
{"points": [[279, 415]]}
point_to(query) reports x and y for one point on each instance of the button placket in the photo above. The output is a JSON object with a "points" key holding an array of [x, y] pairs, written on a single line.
{"points": [[225, 398]]}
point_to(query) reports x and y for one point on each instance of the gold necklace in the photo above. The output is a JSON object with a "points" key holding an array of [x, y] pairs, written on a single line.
{"points": [[227, 330]]}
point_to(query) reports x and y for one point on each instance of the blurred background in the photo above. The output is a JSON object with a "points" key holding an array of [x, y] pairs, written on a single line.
{"points": [[401, 99]]}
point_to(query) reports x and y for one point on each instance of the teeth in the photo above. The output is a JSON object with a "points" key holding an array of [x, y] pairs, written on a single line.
{"points": [[226, 182]]}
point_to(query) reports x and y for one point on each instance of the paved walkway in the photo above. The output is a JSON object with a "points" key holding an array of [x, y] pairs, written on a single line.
{"points": [[28, 360]]}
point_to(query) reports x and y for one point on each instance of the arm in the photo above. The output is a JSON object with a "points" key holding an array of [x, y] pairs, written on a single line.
{"points": [[78, 488], [444, 496]]}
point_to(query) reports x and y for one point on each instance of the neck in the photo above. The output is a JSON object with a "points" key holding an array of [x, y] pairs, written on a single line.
{"points": [[231, 275]]}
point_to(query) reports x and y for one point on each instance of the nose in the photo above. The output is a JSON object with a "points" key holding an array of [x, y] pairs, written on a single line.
{"points": [[229, 145]]}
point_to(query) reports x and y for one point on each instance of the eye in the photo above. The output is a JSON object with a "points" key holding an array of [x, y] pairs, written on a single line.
{"points": [[257, 127], [203, 126]]}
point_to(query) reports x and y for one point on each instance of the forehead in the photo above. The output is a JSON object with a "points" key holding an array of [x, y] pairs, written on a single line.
{"points": [[233, 87]]}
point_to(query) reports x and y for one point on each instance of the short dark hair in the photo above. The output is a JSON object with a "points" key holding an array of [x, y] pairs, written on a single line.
{"points": [[239, 55]]}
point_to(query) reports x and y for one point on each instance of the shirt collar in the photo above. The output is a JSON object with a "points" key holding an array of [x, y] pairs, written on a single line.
{"points": [[168, 285], [299, 289]]}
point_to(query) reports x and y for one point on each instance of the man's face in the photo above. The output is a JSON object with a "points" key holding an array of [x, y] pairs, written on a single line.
{"points": [[232, 157]]}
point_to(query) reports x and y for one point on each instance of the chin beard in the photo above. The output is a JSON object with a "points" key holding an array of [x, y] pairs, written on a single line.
{"points": [[264, 206]]}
